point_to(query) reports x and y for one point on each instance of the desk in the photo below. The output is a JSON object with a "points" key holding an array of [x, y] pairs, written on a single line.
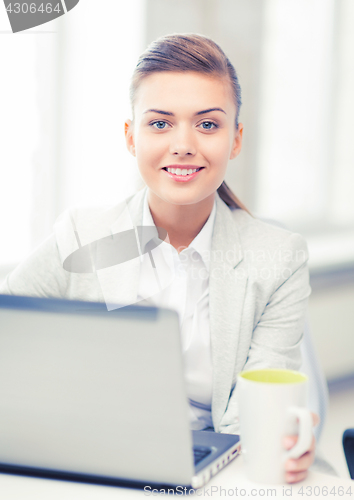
{"points": [[25, 488]]}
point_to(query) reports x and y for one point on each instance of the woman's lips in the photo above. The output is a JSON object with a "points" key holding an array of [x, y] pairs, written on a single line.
{"points": [[183, 178]]}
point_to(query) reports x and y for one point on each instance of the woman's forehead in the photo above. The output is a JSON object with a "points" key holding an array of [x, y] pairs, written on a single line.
{"points": [[168, 88]]}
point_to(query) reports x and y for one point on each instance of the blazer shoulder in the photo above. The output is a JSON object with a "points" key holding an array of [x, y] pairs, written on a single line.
{"points": [[91, 221], [80, 225], [269, 237]]}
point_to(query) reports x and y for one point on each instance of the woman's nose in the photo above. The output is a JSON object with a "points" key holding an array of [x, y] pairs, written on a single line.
{"points": [[182, 142]]}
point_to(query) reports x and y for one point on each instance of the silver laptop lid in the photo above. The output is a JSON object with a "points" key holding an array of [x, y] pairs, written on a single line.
{"points": [[95, 392]]}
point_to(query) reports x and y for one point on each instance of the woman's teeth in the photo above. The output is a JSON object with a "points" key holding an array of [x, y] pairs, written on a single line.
{"points": [[178, 171]]}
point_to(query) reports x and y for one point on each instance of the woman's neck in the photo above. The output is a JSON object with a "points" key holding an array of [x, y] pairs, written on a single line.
{"points": [[182, 222]]}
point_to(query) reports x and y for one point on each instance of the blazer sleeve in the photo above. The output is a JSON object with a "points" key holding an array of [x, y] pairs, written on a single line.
{"points": [[40, 275], [276, 338]]}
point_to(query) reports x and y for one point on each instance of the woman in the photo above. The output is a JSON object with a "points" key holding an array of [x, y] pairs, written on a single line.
{"points": [[239, 284]]}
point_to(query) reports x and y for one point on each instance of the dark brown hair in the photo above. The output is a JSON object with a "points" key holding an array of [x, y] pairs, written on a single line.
{"points": [[189, 52]]}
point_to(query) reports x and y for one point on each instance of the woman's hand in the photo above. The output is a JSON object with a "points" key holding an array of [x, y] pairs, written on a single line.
{"points": [[296, 468]]}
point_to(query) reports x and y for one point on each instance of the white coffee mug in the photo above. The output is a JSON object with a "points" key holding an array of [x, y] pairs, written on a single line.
{"points": [[270, 402]]}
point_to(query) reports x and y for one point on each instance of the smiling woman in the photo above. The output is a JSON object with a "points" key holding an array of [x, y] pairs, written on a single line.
{"points": [[237, 311]]}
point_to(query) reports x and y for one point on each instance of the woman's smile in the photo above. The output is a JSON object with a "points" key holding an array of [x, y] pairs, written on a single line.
{"points": [[182, 173]]}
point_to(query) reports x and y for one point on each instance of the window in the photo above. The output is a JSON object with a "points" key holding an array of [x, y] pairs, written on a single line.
{"points": [[19, 131], [305, 165], [64, 98]]}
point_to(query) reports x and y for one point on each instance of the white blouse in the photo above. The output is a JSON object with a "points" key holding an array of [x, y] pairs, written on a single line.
{"points": [[188, 294]]}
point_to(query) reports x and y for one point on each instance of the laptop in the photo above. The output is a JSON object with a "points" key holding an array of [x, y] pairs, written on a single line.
{"points": [[98, 396]]}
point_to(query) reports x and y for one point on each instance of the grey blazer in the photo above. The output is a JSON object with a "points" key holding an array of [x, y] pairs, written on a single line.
{"points": [[258, 288]]}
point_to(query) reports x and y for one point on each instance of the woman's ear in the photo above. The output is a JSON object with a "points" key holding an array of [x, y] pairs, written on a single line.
{"points": [[237, 144], [129, 136]]}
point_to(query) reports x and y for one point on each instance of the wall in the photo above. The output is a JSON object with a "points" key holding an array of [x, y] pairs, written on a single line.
{"points": [[331, 311]]}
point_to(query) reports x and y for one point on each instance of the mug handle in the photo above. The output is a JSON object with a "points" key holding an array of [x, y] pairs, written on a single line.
{"points": [[305, 432]]}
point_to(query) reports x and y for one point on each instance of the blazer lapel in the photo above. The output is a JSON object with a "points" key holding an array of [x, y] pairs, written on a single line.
{"points": [[119, 283], [227, 284]]}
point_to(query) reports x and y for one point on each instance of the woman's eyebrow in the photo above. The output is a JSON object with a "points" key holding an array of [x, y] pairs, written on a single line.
{"points": [[158, 111], [209, 110], [172, 114]]}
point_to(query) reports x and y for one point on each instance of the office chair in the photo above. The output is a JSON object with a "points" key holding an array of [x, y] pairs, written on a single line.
{"points": [[318, 389], [348, 447]]}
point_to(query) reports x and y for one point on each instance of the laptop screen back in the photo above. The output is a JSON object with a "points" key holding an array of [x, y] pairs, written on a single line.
{"points": [[95, 392]]}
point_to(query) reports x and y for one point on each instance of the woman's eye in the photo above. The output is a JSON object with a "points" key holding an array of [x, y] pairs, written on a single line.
{"points": [[160, 124], [209, 125]]}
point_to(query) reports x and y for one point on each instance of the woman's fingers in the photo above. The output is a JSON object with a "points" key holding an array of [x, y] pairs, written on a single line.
{"points": [[296, 468], [302, 463]]}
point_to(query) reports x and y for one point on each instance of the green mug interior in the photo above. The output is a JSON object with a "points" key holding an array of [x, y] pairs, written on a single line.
{"points": [[274, 376]]}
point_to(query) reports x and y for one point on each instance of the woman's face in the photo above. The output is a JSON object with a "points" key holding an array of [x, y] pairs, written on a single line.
{"points": [[187, 121]]}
